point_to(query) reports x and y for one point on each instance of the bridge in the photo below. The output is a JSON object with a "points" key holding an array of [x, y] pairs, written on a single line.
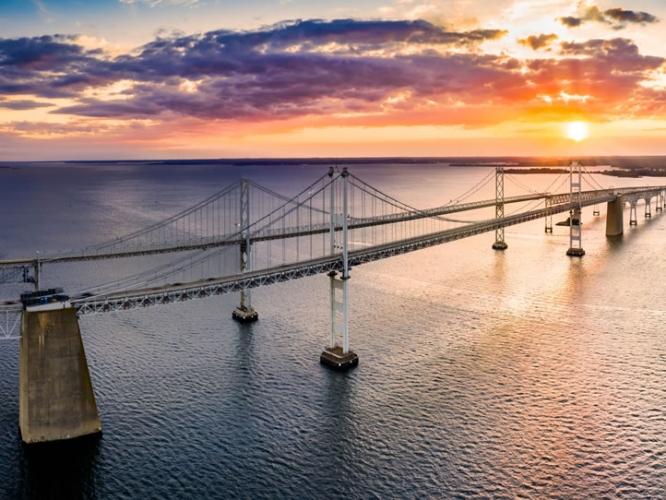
{"points": [[246, 236]]}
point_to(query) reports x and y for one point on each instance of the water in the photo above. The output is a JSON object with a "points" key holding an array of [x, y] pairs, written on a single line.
{"points": [[516, 374]]}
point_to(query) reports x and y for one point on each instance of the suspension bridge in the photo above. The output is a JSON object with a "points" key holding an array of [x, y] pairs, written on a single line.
{"points": [[247, 235]]}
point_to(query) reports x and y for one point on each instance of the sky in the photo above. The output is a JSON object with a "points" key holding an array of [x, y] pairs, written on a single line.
{"points": [[137, 79]]}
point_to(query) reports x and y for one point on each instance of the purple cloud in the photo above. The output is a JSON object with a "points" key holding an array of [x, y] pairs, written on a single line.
{"points": [[23, 104], [310, 68], [618, 17]]}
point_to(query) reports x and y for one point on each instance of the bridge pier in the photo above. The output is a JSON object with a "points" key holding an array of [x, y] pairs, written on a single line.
{"points": [[549, 216], [575, 231], [633, 218], [648, 208], [339, 356], [615, 217], [245, 313], [56, 399]]}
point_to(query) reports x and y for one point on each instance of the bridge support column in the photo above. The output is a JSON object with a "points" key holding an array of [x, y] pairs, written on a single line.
{"points": [[549, 216], [615, 217], [648, 208], [633, 218], [339, 356], [37, 271], [56, 399], [245, 313], [659, 206], [575, 231], [499, 244]]}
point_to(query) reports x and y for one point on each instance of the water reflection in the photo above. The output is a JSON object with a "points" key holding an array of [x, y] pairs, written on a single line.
{"points": [[60, 470], [338, 439]]}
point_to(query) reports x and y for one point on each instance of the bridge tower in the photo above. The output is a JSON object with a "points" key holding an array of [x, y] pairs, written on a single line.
{"points": [[339, 356], [575, 231], [245, 313], [549, 216], [499, 244]]}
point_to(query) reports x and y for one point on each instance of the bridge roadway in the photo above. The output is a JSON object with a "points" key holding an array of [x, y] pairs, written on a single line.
{"points": [[167, 294], [292, 232]]}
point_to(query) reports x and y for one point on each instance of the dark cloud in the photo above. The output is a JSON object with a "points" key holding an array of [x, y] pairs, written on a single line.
{"points": [[39, 53], [23, 104], [630, 16], [620, 54], [47, 66], [315, 67], [617, 17], [55, 66], [285, 85], [571, 21], [537, 42]]}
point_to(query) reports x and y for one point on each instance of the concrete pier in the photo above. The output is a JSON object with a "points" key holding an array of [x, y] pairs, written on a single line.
{"points": [[575, 252], [335, 358], [244, 314], [500, 245], [615, 218], [56, 399]]}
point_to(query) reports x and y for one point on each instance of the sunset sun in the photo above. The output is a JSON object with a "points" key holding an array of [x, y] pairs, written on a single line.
{"points": [[577, 131]]}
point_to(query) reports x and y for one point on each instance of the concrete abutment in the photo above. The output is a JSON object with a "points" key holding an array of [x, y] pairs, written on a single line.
{"points": [[615, 217], [56, 399]]}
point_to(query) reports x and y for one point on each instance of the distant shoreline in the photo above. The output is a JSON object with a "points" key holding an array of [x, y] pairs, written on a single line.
{"points": [[519, 165]]}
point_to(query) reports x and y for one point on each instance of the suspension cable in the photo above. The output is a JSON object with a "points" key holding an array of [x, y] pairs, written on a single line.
{"points": [[520, 184], [188, 262], [164, 222], [395, 202]]}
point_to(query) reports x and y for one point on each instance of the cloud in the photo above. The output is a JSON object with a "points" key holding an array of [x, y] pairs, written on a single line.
{"points": [[617, 17], [537, 42], [630, 16], [343, 70], [46, 66], [609, 71], [296, 68], [571, 21], [23, 104], [48, 129], [283, 69]]}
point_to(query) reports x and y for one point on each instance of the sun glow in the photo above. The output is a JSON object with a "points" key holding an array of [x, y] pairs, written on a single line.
{"points": [[577, 131]]}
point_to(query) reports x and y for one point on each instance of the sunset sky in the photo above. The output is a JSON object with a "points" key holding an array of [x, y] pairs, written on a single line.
{"points": [[114, 79]]}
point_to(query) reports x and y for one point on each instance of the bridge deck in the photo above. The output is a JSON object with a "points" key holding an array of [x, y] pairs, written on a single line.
{"points": [[215, 286]]}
